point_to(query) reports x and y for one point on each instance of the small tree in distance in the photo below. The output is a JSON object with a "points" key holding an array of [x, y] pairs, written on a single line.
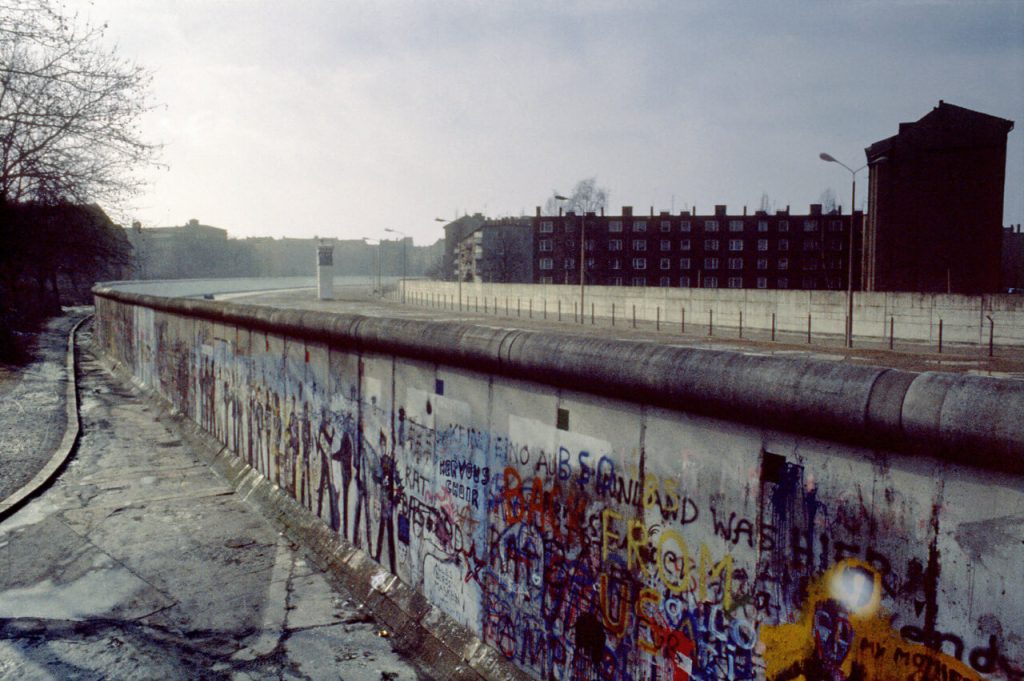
{"points": [[586, 197]]}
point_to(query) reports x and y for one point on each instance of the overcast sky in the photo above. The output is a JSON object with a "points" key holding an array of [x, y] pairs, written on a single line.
{"points": [[343, 118]]}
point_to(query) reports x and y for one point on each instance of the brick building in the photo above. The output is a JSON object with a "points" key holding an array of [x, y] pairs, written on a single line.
{"points": [[719, 250], [935, 204]]}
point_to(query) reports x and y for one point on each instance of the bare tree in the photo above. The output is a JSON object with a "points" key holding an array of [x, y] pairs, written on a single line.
{"points": [[69, 110], [829, 201], [586, 197]]}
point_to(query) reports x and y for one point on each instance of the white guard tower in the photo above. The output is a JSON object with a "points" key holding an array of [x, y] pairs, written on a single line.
{"points": [[325, 269]]}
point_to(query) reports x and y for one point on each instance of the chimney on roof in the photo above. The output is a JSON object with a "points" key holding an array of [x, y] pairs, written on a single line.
{"points": [[720, 210], [652, 211], [538, 211], [559, 211], [602, 211], [815, 209], [627, 211], [744, 211]]}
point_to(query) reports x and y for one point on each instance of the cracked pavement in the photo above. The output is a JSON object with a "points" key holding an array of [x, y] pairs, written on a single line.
{"points": [[140, 563]]}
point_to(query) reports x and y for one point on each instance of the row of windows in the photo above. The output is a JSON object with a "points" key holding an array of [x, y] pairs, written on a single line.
{"points": [[686, 281], [687, 263], [547, 245], [548, 226]]}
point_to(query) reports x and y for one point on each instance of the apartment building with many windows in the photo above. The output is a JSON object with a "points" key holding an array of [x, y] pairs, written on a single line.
{"points": [[760, 250]]}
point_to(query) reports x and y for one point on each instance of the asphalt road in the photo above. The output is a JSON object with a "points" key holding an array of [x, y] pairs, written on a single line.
{"points": [[140, 563]]}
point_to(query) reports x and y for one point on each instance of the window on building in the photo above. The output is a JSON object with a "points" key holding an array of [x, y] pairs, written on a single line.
{"points": [[570, 263], [684, 263], [666, 244], [811, 245], [639, 244], [711, 263], [665, 281], [591, 262], [782, 282], [640, 226], [666, 263], [684, 226], [547, 226], [834, 262], [810, 265], [735, 244], [639, 263], [547, 264], [684, 245], [834, 283], [589, 244], [783, 225], [545, 245], [783, 263], [762, 282], [735, 225], [639, 281], [684, 281], [615, 225], [711, 244], [762, 263], [735, 263], [614, 244], [810, 283], [762, 244], [710, 282], [810, 225], [835, 244], [711, 225], [735, 282], [762, 225], [836, 226], [783, 244], [616, 281], [666, 226], [615, 264]]}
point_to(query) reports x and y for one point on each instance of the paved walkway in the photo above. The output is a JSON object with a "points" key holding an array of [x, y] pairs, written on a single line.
{"points": [[32, 405], [140, 563]]}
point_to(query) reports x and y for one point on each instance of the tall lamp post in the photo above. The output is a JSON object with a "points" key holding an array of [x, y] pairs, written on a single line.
{"points": [[379, 288], [405, 239], [849, 275], [583, 253]]}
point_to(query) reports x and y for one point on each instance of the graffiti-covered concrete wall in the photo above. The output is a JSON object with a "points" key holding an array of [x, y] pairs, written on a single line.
{"points": [[618, 511]]}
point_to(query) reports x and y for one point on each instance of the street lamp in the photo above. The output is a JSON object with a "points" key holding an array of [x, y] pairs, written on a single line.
{"points": [[405, 239], [380, 284], [583, 262], [849, 275]]}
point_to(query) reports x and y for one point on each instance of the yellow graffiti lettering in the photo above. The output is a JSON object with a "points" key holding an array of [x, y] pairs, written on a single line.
{"points": [[675, 584], [607, 516], [723, 566]]}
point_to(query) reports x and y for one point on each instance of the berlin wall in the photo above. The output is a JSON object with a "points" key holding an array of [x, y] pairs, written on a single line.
{"points": [[910, 316], [599, 509]]}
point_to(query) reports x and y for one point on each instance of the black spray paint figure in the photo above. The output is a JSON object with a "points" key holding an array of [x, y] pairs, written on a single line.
{"points": [[345, 456], [305, 433], [256, 430], [384, 476], [291, 458], [325, 447], [833, 640]]}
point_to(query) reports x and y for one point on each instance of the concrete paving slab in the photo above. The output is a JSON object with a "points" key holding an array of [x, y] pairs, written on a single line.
{"points": [[140, 563]]}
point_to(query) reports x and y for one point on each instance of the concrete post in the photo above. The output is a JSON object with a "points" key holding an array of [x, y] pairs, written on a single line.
{"points": [[325, 269]]}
